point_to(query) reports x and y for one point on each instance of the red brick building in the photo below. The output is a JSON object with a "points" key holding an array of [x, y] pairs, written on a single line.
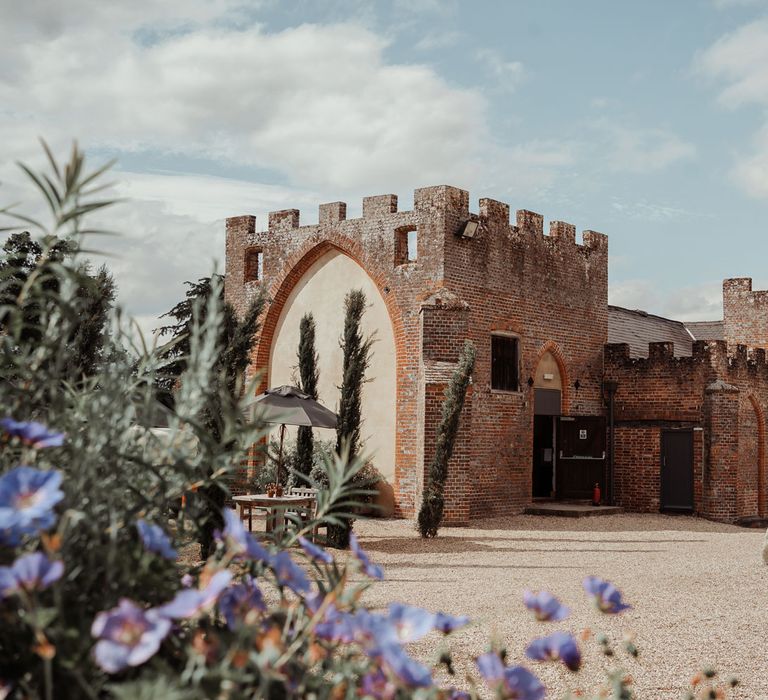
{"points": [[536, 307]]}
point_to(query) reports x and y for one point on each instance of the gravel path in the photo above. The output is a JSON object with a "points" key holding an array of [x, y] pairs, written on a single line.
{"points": [[698, 590]]}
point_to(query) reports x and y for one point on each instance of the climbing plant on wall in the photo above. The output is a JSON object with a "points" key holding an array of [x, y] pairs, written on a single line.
{"points": [[431, 512]]}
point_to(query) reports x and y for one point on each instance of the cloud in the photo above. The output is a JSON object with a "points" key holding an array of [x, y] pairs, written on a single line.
{"points": [[642, 150], [507, 74], [318, 104], [739, 60], [691, 303]]}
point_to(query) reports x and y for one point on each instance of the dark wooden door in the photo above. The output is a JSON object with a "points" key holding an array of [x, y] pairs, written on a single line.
{"points": [[677, 470], [580, 456]]}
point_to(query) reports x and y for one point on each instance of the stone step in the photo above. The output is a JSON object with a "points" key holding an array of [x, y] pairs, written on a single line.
{"points": [[571, 510]]}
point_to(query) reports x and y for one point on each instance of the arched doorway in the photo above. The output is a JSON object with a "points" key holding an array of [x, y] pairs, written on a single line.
{"points": [[547, 406], [750, 494], [321, 290]]}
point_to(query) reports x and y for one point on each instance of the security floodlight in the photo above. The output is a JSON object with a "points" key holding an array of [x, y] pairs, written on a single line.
{"points": [[470, 229]]}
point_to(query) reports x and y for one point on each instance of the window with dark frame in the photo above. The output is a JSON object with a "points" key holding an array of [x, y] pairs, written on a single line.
{"points": [[254, 265], [504, 363], [406, 245]]}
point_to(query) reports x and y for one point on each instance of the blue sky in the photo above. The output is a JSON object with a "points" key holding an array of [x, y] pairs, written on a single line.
{"points": [[644, 120]]}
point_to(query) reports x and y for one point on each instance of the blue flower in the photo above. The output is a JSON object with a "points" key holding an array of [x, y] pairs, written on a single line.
{"points": [[377, 685], [545, 606], [490, 666], [238, 600], [514, 682], [448, 623], [155, 540], [31, 433], [314, 552], [190, 602], [128, 636], [521, 684], [558, 646], [369, 569], [239, 540], [410, 623], [337, 626], [27, 497], [30, 572], [409, 671], [290, 574], [606, 596]]}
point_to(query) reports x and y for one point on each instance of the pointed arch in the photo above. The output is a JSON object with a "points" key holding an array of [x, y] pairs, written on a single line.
{"points": [[553, 348]]}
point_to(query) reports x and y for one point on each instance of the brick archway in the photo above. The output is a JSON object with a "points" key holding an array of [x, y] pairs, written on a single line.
{"points": [[295, 268], [761, 505], [554, 349]]}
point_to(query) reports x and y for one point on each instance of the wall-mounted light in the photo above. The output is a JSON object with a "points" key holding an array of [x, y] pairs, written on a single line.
{"points": [[469, 230], [530, 381], [577, 385]]}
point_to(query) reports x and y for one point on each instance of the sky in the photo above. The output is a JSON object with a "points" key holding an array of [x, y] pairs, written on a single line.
{"points": [[647, 121]]}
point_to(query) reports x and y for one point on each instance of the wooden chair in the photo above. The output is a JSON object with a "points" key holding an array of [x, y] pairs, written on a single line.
{"points": [[305, 513]]}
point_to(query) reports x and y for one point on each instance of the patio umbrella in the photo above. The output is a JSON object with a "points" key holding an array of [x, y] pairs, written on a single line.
{"points": [[287, 405]]}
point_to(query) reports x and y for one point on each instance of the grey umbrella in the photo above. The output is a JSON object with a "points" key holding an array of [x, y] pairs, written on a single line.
{"points": [[287, 405]]}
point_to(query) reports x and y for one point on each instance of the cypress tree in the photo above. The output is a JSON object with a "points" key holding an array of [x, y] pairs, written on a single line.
{"points": [[308, 378], [431, 512], [356, 351], [356, 357]]}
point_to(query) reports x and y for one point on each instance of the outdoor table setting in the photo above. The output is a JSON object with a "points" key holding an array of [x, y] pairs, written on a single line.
{"points": [[275, 506]]}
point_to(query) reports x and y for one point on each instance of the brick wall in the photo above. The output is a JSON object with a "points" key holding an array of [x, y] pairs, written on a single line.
{"points": [[745, 313], [549, 290], [721, 392]]}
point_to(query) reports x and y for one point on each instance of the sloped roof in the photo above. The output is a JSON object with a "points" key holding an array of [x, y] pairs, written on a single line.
{"points": [[638, 328], [706, 330]]}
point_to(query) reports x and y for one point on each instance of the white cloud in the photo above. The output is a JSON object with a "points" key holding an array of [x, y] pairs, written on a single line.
{"points": [[691, 303], [318, 103], [642, 150], [740, 60], [506, 74]]}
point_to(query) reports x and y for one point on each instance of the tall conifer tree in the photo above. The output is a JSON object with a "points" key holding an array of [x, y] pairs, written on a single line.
{"points": [[308, 378]]}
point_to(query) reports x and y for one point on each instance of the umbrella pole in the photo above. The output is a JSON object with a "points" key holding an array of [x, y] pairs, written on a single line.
{"points": [[280, 453]]}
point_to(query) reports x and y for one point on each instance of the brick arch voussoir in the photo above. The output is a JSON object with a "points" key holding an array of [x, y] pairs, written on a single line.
{"points": [[552, 347], [760, 414], [295, 268]]}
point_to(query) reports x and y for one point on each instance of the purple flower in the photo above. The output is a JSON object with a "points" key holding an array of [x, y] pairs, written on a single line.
{"points": [[238, 600], [369, 569], [409, 671], [190, 602], [521, 684], [155, 540], [448, 623], [314, 552], [289, 573], [337, 626], [410, 623], [27, 497], [606, 596], [31, 572], [128, 636], [31, 433], [545, 606], [455, 694], [239, 540], [378, 686], [518, 682], [558, 646]]}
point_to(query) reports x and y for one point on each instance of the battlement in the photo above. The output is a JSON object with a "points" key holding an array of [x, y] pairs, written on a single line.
{"points": [[745, 313], [441, 200]]}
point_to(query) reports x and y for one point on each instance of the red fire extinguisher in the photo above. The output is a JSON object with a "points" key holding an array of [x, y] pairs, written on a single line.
{"points": [[596, 495]]}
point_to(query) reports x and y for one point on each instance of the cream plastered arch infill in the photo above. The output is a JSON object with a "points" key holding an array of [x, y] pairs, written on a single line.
{"points": [[321, 290]]}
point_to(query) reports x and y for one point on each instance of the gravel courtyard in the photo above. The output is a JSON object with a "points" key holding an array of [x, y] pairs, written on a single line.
{"points": [[698, 590]]}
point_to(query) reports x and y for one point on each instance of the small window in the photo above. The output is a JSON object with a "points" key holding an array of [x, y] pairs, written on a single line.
{"points": [[504, 363], [254, 265], [406, 245]]}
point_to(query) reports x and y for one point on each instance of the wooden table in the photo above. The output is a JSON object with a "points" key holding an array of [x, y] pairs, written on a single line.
{"points": [[275, 506]]}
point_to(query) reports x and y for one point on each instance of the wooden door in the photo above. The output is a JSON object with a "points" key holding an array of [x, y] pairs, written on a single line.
{"points": [[580, 456], [677, 470]]}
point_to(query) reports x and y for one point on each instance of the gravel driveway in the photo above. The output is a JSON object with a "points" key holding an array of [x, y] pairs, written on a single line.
{"points": [[698, 590]]}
